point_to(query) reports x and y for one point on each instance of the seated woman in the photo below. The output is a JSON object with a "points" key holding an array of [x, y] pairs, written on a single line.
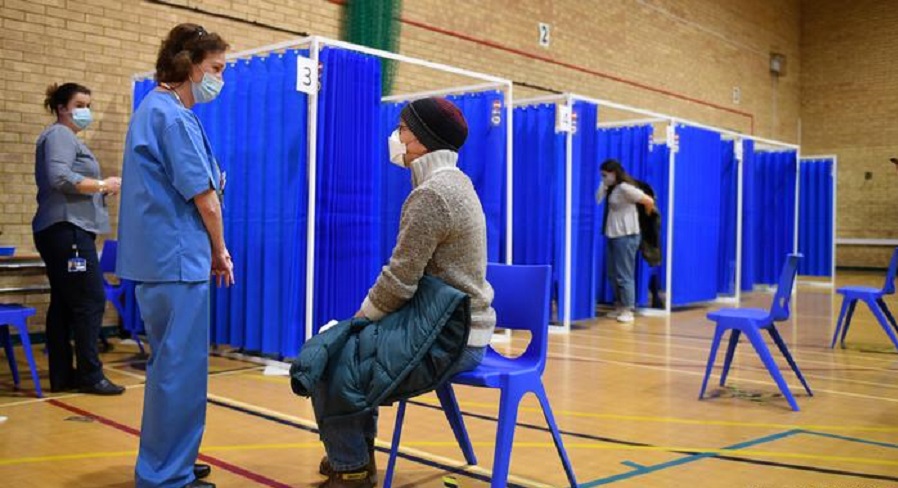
{"points": [[442, 234]]}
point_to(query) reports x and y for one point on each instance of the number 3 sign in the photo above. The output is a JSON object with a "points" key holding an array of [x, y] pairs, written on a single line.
{"points": [[306, 75]]}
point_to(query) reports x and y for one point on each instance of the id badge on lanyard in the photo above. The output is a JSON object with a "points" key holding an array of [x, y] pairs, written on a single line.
{"points": [[77, 264]]}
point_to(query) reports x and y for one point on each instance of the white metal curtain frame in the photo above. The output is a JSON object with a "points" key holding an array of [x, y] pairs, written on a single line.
{"points": [[315, 45], [835, 176], [655, 117]]}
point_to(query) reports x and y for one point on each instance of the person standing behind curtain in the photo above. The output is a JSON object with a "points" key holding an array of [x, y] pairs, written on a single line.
{"points": [[171, 241], [621, 229], [71, 211]]}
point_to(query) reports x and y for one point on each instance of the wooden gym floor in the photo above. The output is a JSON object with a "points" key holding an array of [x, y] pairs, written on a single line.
{"points": [[625, 398]]}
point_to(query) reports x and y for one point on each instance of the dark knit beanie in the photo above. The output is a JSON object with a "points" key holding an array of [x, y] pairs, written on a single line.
{"points": [[437, 123]]}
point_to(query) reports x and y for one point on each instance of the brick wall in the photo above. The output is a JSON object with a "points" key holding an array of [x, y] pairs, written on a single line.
{"points": [[849, 107], [677, 56]]}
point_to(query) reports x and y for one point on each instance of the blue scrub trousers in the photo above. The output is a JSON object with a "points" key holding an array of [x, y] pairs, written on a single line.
{"points": [[176, 316]]}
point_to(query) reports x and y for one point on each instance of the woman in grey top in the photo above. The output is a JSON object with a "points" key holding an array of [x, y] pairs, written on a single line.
{"points": [[621, 228], [71, 212]]}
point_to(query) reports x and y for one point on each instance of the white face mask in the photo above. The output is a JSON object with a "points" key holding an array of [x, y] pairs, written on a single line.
{"points": [[397, 149], [207, 89], [82, 117]]}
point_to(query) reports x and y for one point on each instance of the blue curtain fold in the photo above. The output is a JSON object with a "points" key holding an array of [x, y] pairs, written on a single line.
{"points": [[696, 216], [729, 184], [586, 220], [659, 178], [257, 128], [774, 175], [632, 147], [815, 218], [483, 159], [347, 250], [538, 189]]}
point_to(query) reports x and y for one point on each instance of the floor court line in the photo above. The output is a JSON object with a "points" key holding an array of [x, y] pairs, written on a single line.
{"points": [[798, 353], [671, 420], [732, 376], [421, 457], [700, 363], [855, 355], [232, 468], [644, 470]]}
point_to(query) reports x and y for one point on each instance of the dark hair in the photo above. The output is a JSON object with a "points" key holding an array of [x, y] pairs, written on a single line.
{"points": [[185, 46], [62, 94], [614, 166]]}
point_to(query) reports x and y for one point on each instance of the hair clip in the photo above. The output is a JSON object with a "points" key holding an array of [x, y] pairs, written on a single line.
{"points": [[200, 32]]}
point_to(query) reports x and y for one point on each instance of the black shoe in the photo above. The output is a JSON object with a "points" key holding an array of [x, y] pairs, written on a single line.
{"points": [[199, 484], [103, 387], [201, 471]]}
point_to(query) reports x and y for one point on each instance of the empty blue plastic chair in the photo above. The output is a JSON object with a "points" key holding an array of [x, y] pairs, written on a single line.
{"points": [[17, 316], [873, 297], [521, 303], [116, 293], [750, 322]]}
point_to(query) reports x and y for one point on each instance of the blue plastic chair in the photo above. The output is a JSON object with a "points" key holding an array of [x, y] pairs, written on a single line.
{"points": [[521, 303], [116, 293], [750, 322], [873, 297], [17, 316]]}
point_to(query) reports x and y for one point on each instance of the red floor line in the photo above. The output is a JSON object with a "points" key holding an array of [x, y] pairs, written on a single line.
{"points": [[250, 475]]}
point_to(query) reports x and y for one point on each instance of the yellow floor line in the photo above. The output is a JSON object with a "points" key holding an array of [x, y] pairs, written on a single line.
{"points": [[675, 420], [462, 465]]}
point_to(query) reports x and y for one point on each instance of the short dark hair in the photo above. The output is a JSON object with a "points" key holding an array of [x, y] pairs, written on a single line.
{"points": [[614, 166], [186, 45], [62, 94]]}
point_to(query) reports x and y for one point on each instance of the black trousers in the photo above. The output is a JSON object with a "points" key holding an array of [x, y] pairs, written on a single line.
{"points": [[77, 303]]}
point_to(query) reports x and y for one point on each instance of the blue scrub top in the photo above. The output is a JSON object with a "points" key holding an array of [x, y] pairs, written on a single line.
{"points": [[167, 162]]}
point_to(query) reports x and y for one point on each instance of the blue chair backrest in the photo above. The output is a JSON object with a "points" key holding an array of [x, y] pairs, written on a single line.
{"points": [[779, 309], [522, 303], [107, 258], [889, 287]]}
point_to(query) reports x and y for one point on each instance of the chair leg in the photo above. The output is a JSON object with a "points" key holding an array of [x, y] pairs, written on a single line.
{"points": [[839, 323], [886, 325], [731, 351], [715, 343], [885, 309], [394, 448], [453, 414], [508, 419], [778, 339], [10, 353], [764, 352], [136, 337], [851, 307], [29, 355], [556, 435]]}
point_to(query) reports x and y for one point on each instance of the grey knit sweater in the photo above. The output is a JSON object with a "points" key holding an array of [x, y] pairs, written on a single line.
{"points": [[442, 233]]}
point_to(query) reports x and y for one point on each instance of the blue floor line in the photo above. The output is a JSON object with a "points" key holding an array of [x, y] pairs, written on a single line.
{"points": [[688, 459], [851, 439], [631, 464]]}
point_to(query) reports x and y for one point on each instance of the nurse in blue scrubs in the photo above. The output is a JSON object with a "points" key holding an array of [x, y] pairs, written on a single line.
{"points": [[171, 242]]}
